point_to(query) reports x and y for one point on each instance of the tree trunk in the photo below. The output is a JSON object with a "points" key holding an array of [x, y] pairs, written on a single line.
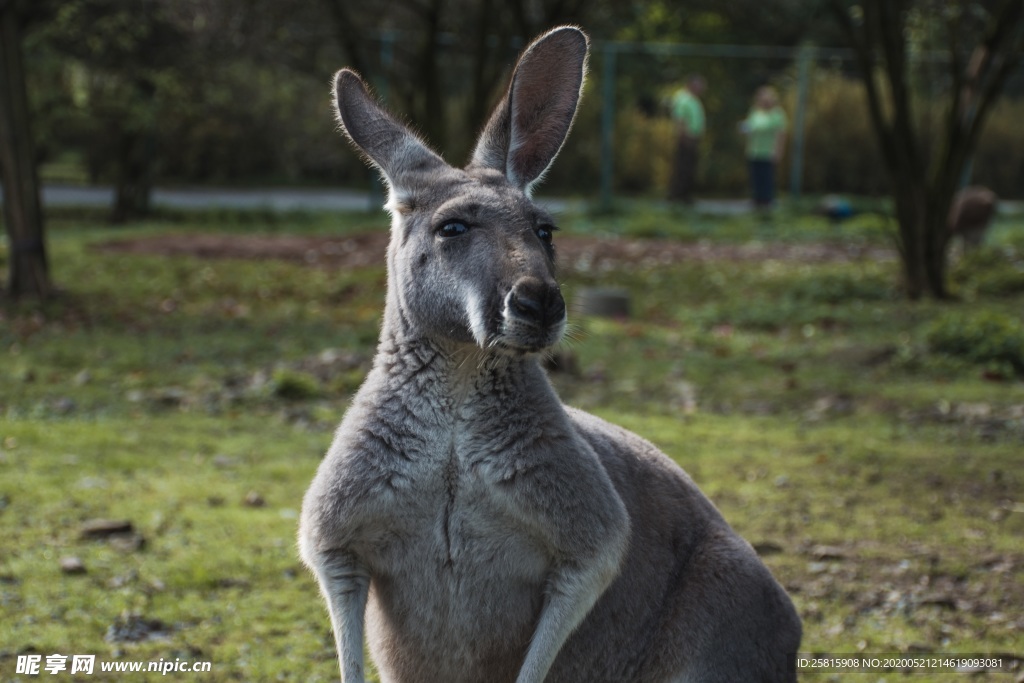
{"points": [[922, 215], [432, 113], [134, 177], [909, 204], [28, 270], [479, 100], [135, 155], [937, 237]]}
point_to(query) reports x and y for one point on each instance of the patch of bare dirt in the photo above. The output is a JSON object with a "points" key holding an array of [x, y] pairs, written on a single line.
{"points": [[350, 251], [576, 252], [596, 253]]}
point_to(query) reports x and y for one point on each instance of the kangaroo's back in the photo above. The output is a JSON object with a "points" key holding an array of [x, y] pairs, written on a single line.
{"points": [[692, 596]]}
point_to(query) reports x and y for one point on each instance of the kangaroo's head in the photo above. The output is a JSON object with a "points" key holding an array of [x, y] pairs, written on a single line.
{"points": [[471, 259]]}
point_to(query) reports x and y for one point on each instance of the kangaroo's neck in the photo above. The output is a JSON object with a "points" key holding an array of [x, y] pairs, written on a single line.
{"points": [[454, 377]]}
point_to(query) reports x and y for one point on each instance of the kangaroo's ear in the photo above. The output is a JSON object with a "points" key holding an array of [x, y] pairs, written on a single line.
{"points": [[389, 145], [526, 131]]}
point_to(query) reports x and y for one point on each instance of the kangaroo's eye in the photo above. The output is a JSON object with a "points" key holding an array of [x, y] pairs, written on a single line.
{"points": [[452, 229], [545, 233]]}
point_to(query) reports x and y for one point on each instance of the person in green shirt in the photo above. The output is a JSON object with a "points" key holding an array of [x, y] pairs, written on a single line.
{"points": [[765, 128], [688, 115]]}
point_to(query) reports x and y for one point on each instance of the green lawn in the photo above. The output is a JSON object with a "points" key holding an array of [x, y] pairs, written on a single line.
{"points": [[871, 448]]}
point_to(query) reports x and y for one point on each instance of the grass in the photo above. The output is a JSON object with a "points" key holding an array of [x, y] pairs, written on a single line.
{"points": [[879, 475]]}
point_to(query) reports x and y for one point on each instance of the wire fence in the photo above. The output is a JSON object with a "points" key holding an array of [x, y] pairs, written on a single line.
{"points": [[623, 138], [823, 95]]}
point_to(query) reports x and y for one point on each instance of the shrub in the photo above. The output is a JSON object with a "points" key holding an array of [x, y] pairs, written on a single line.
{"points": [[990, 271], [294, 386], [768, 315], [987, 338], [841, 150], [645, 147], [839, 288]]}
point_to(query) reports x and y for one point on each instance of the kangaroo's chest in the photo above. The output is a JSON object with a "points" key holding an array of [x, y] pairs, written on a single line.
{"points": [[455, 560], [453, 508]]}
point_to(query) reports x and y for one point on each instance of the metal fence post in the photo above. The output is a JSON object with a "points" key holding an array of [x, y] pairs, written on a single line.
{"points": [[608, 51], [796, 164]]}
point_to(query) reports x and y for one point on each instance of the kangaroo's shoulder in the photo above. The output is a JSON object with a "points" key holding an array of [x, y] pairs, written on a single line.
{"points": [[644, 476], [609, 439]]}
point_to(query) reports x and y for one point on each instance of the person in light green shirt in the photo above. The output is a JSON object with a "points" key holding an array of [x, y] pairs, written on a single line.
{"points": [[687, 110], [688, 114], [765, 128]]}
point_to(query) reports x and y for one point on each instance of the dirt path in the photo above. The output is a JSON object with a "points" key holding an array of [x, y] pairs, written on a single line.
{"points": [[584, 253]]}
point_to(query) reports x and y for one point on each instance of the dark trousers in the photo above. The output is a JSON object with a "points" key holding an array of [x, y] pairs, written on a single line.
{"points": [[684, 170], [762, 181]]}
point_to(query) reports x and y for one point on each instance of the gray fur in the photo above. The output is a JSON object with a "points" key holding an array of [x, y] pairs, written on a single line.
{"points": [[481, 530]]}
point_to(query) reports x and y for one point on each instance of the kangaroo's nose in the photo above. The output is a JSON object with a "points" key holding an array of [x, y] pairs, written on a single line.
{"points": [[537, 301]]}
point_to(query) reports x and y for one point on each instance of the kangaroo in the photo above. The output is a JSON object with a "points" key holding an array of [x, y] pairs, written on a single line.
{"points": [[971, 215], [477, 528]]}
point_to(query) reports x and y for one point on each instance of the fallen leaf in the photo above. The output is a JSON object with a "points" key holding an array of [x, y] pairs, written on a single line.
{"points": [[72, 565], [827, 552], [765, 548], [95, 529], [254, 500], [134, 628]]}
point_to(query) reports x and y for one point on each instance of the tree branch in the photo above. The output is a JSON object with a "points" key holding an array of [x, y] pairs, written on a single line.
{"points": [[956, 67], [1002, 51], [884, 17], [863, 49], [991, 65]]}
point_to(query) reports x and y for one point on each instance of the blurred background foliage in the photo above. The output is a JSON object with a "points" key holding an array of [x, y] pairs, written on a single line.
{"points": [[237, 91]]}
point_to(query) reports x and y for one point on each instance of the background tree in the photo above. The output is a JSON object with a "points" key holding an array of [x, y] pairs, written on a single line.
{"points": [[23, 218], [442, 60], [131, 51], [984, 43]]}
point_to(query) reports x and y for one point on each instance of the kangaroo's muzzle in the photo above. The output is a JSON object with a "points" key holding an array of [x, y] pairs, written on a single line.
{"points": [[534, 314]]}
